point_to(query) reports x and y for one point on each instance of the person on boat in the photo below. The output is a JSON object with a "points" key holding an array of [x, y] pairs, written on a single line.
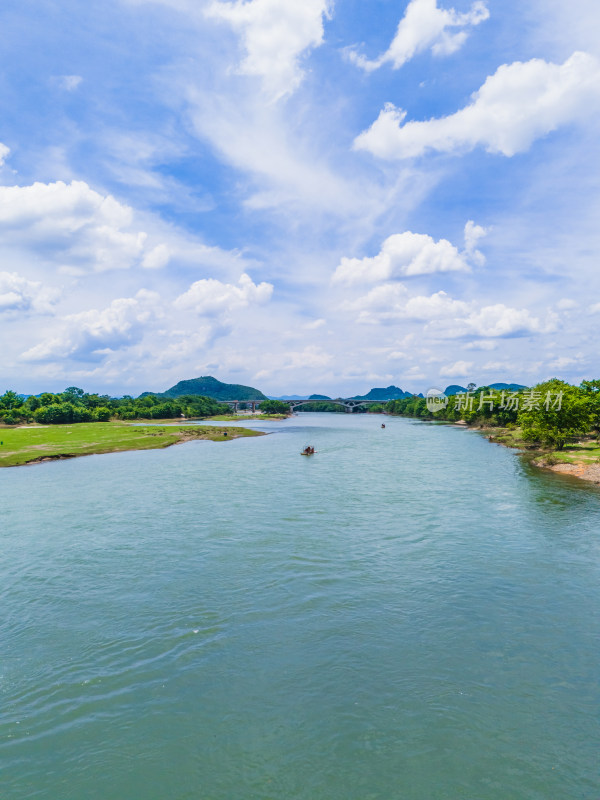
{"points": [[382, 425]]}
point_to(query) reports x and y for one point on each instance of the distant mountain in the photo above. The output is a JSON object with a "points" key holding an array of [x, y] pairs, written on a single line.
{"points": [[290, 397], [319, 397], [498, 387], [454, 389], [211, 387], [507, 387], [382, 395]]}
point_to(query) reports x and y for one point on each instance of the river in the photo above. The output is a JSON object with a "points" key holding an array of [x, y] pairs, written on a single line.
{"points": [[411, 614]]}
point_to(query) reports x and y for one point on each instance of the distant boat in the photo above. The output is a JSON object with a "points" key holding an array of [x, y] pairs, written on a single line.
{"points": [[308, 451], [382, 425]]}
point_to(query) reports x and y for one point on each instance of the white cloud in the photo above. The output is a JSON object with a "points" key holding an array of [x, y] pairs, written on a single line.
{"points": [[446, 317], [424, 26], [69, 82], [594, 309], [157, 258], [498, 366], [564, 362], [4, 152], [312, 357], [315, 324], [473, 233], [393, 301], [76, 226], [19, 294], [484, 344], [566, 304], [407, 254], [500, 320], [520, 103], [90, 335], [460, 369], [275, 35], [212, 297]]}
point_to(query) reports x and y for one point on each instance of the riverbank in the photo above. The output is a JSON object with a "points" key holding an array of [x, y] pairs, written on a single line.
{"points": [[239, 417], [580, 459], [29, 444]]}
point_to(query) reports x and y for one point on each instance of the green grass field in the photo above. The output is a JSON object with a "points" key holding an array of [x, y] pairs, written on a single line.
{"points": [[24, 445], [242, 417], [580, 453]]}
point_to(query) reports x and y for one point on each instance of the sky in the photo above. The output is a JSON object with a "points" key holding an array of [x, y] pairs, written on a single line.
{"points": [[298, 195]]}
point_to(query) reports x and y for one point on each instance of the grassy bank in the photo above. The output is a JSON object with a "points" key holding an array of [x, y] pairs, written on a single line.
{"points": [[581, 458], [27, 444], [584, 451], [244, 417]]}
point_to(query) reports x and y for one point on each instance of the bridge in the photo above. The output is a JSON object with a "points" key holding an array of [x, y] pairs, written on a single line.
{"points": [[349, 405], [235, 404]]}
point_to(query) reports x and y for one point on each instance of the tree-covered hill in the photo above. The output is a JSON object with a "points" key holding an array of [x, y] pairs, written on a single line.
{"points": [[499, 387], [211, 387], [383, 395]]}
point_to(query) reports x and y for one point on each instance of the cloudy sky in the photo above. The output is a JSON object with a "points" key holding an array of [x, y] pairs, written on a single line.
{"points": [[301, 195]]}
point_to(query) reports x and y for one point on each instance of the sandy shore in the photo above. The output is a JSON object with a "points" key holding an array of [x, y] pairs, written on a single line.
{"points": [[586, 472]]}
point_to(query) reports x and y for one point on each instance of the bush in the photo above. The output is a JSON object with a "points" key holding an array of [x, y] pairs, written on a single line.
{"points": [[274, 407]]}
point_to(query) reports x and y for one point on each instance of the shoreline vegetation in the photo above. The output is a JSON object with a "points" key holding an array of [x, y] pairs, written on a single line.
{"points": [[555, 425], [50, 426], [30, 444], [579, 459], [246, 417]]}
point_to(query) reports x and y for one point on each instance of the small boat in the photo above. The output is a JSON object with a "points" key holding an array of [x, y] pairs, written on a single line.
{"points": [[382, 425], [308, 451]]}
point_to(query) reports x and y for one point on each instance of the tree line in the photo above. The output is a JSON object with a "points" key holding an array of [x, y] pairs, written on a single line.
{"points": [[75, 405], [549, 414]]}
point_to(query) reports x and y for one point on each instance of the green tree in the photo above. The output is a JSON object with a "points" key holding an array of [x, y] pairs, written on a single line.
{"points": [[32, 403], [554, 412], [54, 414], [274, 407], [47, 398], [591, 389], [73, 395], [10, 400]]}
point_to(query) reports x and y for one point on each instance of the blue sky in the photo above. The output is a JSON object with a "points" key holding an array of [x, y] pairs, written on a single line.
{"points": [[301, 196]]}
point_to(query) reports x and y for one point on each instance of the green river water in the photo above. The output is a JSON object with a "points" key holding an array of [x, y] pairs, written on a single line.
{"points": [[411, 614]]}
